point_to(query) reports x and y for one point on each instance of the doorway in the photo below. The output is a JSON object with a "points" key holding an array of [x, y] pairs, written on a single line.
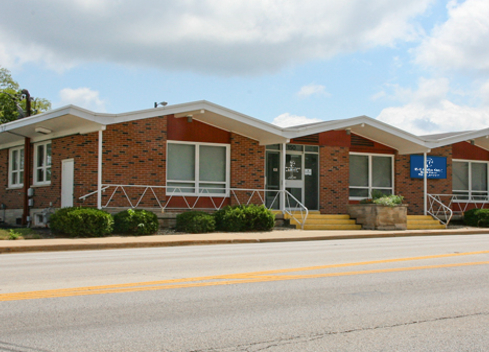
{"points": [[301, 174]]}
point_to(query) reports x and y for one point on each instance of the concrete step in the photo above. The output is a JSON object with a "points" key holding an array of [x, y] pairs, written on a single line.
{"points": [[419, 217], [423, 222]]}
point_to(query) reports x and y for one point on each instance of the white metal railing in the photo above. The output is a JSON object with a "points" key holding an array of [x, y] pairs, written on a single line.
{"points": [[162, 196], [460, 203], [440, 211]]}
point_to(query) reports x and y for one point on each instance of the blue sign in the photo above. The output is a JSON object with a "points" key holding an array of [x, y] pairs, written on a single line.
{"points": [[436, 166]]}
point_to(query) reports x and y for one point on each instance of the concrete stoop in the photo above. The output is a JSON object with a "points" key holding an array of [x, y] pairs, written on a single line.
{"points": [[317, 221], [423, 222]]}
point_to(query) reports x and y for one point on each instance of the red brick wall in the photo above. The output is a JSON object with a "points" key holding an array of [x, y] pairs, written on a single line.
{"points": [[334, 174], [134, 153], [413, 188], [247, 166]]}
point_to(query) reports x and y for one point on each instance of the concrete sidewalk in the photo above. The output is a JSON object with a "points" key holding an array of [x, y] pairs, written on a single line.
{"points": [[68, 244]]}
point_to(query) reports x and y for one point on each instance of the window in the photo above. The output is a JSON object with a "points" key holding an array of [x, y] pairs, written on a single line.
{"points": [[469, 180], [42, 163], [197, 168], [368, 173], [16, 167]]}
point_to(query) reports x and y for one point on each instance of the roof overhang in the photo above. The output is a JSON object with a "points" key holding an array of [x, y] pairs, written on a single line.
{"points": [[479, 138], [403, 142], [217, 116], [53, 124]]}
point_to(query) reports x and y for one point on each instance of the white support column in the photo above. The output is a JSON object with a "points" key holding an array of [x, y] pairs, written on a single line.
{"points": [[282, 177], [425, 181], [99, 172]]}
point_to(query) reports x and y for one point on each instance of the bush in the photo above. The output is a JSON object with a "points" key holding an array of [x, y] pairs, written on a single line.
{"points": [[240, 218], [136, 222], [477, 217], [195, 222], [81, 222], [389, 201]]}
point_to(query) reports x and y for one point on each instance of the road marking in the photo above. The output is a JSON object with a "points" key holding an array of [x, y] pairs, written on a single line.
{"points": [[232, 279]]}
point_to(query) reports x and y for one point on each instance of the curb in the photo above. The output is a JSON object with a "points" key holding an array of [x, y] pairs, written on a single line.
{"points": [[39, 247]]}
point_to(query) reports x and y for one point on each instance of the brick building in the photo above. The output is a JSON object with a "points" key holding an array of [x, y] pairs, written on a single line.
{"points": [[200, 155]]}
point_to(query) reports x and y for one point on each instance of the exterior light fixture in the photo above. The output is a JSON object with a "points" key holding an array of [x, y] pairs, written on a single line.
{"points": [[348, 131], [189, 118], [163, 103], [43, 130]]}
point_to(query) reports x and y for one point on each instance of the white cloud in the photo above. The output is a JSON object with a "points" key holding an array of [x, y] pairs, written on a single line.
{"points": [[462, 42], [82, 97], [287, 120], [313, 89], [428, 110], [238, 37]]}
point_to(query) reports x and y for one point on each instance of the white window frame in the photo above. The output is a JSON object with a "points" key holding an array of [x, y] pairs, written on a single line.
{"points": [[470, 192], [10, 168], [370, 179], [45, 167], [196, 183]]}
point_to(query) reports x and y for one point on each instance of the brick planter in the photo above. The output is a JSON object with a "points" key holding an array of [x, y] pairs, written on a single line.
{"points": [[379, 217]]}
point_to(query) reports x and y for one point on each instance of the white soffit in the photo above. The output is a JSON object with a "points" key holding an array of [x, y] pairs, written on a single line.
{"points": [[479, 138], [403, 142], [13, 133]]}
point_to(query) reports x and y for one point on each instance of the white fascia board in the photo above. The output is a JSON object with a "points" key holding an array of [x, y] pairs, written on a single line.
{"points": [[294, 132], [462, 137], [195, 106], [67, 110]]}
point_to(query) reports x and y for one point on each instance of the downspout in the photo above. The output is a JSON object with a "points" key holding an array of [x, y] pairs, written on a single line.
{"points": [[425, 185], [99, 171], [27, 162], [27, 179]]}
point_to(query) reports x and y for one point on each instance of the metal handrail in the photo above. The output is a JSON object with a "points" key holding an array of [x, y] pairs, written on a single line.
{"points": [[294, 208], [437, 208], [459, 203]]}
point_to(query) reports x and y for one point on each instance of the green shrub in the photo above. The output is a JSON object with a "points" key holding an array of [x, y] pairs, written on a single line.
{"points": [[240, 218], [14, 235], [389, 201], [477, 217], [195, 222], [81, 222], [136, 222]]}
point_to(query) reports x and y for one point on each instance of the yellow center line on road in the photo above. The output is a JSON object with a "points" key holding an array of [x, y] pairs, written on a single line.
{"points": [[232, 279]]}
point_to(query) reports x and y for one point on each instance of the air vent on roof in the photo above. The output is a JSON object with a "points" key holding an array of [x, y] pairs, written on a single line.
{"points": [[360, 141], [313, 138]]}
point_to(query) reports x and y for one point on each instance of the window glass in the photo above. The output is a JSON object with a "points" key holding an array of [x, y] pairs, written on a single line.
{"points": [[312, 148], [460, 175], [180, 187], [15, 161], [479, 177], [211, 188], [359, 171], [48, 155], [40, 156], [212, 163], [181, 162], [381, 171]]}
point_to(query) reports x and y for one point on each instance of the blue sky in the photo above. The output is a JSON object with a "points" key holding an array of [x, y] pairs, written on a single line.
{"points": [[421, 65]]}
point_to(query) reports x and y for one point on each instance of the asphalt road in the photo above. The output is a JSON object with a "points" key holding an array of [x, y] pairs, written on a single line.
{"points": [[395, 294]]}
